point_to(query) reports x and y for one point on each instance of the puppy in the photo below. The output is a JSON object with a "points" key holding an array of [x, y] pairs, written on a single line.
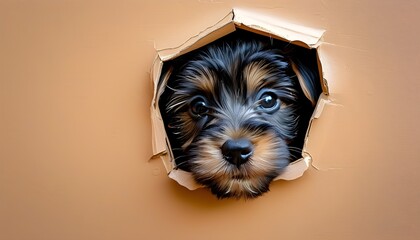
{"points": [[236, 113]]}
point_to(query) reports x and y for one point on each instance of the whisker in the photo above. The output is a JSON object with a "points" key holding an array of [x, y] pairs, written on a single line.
{"points": [[172, 106], [180, 164], [295, 149], [171, 88]]}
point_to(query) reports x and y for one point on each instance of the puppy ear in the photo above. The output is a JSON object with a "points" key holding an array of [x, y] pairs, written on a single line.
{"points": [[308, 80]]}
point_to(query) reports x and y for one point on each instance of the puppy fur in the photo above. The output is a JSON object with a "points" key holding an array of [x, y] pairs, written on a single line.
{"points": [[237, 91]]}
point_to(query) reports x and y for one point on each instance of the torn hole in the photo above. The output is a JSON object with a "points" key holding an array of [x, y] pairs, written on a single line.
{"points": [[227, 84]]}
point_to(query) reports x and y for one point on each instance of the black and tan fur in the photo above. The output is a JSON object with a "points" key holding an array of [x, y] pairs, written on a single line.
{"points": [[236, 112]]}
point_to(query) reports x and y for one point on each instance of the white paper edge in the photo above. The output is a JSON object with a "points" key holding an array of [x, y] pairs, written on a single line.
{"points": [[280, 28]]}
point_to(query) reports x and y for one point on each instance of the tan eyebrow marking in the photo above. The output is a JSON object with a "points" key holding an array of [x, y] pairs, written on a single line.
{"points": [[255, 75], [205, 80]]}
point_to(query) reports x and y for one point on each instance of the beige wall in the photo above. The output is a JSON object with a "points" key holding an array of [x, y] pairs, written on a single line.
{"points": [[75, 134]]}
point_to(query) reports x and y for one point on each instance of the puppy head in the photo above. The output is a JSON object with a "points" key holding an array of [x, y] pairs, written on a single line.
{"points": [[236, 115]]}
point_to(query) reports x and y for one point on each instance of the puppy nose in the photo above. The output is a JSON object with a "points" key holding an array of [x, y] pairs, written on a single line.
{"points": [[237, 151]]}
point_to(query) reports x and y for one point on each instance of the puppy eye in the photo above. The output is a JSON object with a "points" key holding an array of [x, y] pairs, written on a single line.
{"points": [[198, 107], [269, 102]]}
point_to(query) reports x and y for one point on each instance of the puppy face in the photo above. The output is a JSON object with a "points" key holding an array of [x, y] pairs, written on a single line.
{"points": [[236, 115]]}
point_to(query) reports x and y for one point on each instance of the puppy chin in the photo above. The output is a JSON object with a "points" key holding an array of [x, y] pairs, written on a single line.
{"points": [[245, 188], [235, 183]]}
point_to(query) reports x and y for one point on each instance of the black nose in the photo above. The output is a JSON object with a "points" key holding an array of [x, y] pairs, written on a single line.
{"points": [[237, 151]]}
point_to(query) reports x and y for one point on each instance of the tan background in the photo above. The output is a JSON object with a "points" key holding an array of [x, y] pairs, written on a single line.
{"points": [[75, 134]]}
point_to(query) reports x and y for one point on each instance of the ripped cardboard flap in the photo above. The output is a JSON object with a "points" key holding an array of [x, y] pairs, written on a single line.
{"points": [[263, 25]]}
